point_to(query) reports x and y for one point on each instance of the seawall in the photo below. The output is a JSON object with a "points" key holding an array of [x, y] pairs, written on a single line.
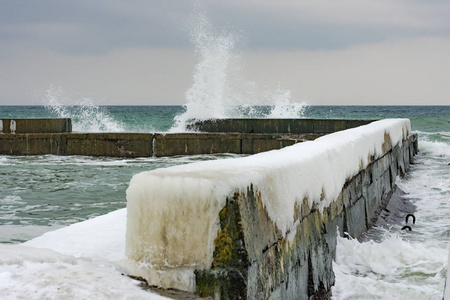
{"points": [[264, 226], [274, 126], [142, 144], [239, 136], [14, 126]]}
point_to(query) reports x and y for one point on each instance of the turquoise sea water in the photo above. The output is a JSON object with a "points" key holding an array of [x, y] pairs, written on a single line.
{"points": [[42, 193], [161, 118]]}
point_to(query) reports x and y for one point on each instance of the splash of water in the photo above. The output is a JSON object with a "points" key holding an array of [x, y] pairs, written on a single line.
{"points": [[283, 108], [85, 115], [219, 89]]}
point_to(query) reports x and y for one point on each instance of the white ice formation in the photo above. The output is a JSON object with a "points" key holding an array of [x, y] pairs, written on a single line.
{"points": [[173, 212]]}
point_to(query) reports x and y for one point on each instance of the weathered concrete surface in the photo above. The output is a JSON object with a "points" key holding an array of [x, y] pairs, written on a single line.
{"points": [[296, 126], [191, 144], [87, 144], [144, 144], [212, 143], [35, 125], [30, 144], [253, 260], [240, 136], [109, 144]]}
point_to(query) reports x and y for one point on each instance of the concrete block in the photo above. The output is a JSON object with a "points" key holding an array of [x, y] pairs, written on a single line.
{"points": [[356, 218], [329, 126], [357, 123], [195, 143], [109, 144], [294, 126], [257, 144], [17, 126], [30, 144]]}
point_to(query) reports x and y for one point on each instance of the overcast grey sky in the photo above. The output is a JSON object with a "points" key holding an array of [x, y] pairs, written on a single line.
{"points": [[139, 52]]}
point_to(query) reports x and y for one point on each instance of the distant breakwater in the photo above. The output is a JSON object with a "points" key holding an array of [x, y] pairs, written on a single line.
{"points": [[240, 136]]}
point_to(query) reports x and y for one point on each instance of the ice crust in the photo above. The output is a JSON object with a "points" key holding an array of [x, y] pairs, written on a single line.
{"points": [[173, 212]]}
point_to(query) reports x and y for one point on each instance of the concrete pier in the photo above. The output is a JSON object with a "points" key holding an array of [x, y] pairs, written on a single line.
{"points": [[290, 126], [239, 136], [16, 126], [239, 250]]}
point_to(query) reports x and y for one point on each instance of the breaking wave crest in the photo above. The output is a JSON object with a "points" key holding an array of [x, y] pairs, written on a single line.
{"points": [[86, 116], [219, 89]]}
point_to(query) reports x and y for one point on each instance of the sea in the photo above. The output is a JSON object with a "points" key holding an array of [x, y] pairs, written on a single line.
{"points": [[44, 193]]}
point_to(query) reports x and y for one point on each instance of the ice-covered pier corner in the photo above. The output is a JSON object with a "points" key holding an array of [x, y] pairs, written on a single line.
{"points": [[264, 226]]}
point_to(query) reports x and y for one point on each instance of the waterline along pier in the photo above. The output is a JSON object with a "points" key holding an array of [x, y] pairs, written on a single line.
{"points": [[263, 226]]}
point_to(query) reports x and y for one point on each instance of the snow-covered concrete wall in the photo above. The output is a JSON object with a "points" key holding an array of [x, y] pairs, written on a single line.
{"points": [[264, 225]]}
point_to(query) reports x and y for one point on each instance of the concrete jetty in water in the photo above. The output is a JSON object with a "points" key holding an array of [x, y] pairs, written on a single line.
{"points": [[258, 227], [240, 136]]}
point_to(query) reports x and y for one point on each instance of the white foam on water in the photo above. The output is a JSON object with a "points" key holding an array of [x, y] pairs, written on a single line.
{"points": [[435, 148], [283, 106], [9, 206], [85, 114], [11, 200], [403, 264], [391, 269]]}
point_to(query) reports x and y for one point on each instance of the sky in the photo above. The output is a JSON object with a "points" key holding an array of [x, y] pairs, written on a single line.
{"points": [[142, 52]]}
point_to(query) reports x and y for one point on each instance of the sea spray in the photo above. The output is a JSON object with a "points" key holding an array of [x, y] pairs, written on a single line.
{"points": [[219, 90], [283, 108], [86, 116], [209, 96]]}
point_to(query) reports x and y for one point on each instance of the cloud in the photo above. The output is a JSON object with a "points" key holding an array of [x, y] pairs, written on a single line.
{"points": [[395, 14], [321, 24], [407, 71], [93, 27], [332, 52], [127, 76]]}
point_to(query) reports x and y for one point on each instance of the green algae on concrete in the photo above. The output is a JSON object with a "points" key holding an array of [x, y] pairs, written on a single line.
{"points": [[228, 274]]}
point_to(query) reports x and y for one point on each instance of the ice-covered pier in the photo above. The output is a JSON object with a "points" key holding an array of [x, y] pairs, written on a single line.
{"points": [[264, 226]]}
